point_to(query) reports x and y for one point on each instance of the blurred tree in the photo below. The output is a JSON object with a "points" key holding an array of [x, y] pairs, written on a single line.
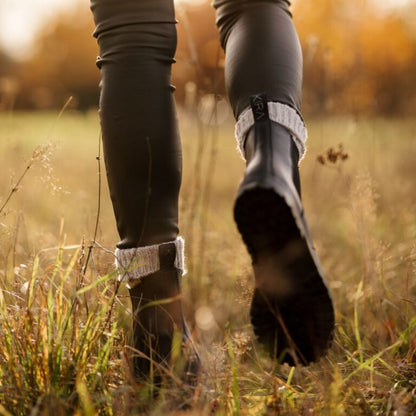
{"points": [[9, 83], [200, 58], [62, 64], [388, 65], [7, 65], [356, 59]]}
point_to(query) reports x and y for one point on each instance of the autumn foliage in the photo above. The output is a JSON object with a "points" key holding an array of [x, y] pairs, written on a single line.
{"points": [[357, 59]]}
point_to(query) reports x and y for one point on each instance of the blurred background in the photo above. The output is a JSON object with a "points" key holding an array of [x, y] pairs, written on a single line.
{"points": [[359, 55]]}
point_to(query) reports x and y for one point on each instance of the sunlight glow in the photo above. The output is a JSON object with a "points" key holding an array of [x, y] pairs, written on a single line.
{"points": [[20, 20]]}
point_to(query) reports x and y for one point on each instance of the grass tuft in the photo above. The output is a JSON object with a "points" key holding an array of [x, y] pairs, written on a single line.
{"points": [[65, 322]]}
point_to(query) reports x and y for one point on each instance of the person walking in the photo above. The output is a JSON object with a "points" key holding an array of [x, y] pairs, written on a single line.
{"points": [[291, 310]]}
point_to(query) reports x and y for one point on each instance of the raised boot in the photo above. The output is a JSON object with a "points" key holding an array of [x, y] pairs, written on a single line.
{"points": [[158, 321], [291, 311]]}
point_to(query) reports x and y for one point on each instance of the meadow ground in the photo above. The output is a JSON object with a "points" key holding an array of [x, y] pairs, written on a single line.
{"points": [[64, 323]]}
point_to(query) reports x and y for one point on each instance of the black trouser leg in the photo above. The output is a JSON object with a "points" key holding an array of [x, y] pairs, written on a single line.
{"points": [[137, 41], [263, 53]]}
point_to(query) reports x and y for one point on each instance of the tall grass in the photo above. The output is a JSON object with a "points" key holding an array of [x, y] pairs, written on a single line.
{"points": [[65, 324]]}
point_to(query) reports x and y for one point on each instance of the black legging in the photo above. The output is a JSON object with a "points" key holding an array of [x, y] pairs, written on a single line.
{"points": [[137, 40]]}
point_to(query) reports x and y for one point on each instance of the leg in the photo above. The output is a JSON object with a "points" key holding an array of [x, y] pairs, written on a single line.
{"points": [[137, 41], [291, 311]]}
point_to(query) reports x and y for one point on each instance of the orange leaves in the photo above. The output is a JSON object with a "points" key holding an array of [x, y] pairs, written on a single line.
{"points": [[357, 59]]}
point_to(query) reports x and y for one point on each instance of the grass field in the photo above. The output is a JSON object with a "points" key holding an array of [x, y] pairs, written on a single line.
{"points": [[64, 324]]}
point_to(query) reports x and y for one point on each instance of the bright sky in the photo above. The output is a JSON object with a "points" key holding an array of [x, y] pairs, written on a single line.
{"points": [[20, 19]]}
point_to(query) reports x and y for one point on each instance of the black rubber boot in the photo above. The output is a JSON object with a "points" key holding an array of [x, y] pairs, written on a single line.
{"points": [[291, 310], [157, 320]]}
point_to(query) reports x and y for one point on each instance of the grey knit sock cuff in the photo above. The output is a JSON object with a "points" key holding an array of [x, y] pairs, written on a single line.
{"points": [[134, 263], [279, 113]]}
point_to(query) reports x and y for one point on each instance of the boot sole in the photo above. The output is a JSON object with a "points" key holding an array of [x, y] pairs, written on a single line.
{"points": [[291, 310]]}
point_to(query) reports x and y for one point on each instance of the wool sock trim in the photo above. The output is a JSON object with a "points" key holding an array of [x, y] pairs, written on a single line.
{"points": [[135, 263], [279, 113]]}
